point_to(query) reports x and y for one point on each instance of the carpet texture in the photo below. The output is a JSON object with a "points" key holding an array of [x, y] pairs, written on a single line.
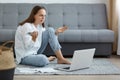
{"points": [[98, 67]]}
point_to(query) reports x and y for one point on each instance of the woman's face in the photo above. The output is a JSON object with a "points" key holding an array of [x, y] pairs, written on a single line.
{"points": [[40, 16]]}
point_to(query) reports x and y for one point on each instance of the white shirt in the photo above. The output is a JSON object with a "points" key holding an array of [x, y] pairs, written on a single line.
{"points": [[24, 45]]}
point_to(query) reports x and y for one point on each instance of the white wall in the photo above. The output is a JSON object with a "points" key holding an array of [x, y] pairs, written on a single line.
{"points": [[53, 1]]}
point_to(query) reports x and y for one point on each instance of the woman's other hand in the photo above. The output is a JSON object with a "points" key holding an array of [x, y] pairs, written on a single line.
{"points": [[34, 35]]}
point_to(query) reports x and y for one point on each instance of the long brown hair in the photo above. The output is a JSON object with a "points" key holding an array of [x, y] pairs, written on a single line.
{"points": [[31, 19]]}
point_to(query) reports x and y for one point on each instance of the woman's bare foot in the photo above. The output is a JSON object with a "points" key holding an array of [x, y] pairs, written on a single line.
{"points": [[63, 61], [51, 58]]}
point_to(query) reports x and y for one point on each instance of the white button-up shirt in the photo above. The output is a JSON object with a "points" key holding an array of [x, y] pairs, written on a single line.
{"points": [[24, 45]]}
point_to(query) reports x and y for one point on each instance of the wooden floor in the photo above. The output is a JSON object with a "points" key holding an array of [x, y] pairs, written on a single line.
{"points": [[115, 59]]}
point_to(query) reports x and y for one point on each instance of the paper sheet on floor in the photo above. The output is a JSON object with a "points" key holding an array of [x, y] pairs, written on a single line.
{"points": [[36, 70]]}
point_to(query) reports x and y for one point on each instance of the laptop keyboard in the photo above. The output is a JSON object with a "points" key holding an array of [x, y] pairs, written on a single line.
{"points": [[66, 68]]}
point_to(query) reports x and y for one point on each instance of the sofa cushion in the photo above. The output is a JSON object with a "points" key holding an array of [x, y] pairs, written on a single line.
{"points": [[7, 34], [77, 16], [100, 35]]}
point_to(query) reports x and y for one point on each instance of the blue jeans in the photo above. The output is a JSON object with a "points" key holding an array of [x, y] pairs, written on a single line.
{"points": [[48, 36]]}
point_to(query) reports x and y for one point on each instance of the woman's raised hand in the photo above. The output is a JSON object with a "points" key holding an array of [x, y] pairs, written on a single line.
{"points": [[61, 29]]}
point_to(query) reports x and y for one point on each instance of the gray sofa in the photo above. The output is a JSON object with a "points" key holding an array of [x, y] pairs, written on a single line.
{"points": [[88, 25]]}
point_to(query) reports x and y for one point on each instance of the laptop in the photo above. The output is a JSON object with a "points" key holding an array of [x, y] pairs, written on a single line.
{"points": [[82, 59]]}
